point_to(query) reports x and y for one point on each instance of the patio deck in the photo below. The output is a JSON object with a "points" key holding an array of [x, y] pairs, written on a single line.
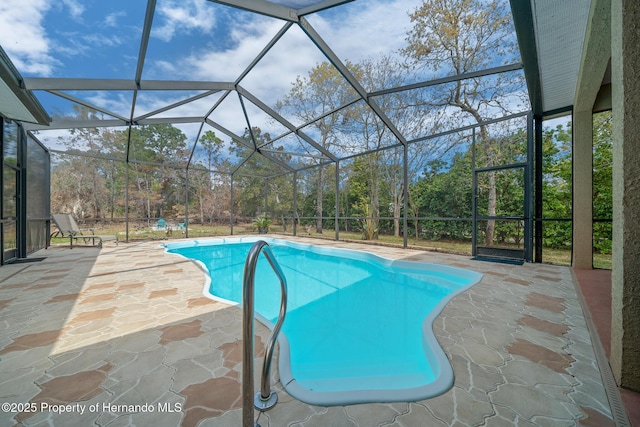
{"points": [[124, 336]]}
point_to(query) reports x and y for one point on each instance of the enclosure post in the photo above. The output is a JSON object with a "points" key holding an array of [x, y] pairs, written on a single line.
{"points": [[21, 244], [186, 203], [231, 206], [126, 202], [266, 197], [474, 196], [405, 195], [126, 187], [337, 224], [528, 194], [295, 203], [538, 187]]}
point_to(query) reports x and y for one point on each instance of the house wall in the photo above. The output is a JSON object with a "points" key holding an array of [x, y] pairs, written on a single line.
{"points": [[625, 276]]}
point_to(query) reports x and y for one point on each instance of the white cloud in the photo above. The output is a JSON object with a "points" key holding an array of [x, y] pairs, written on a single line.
{"points": [[273, 76], [367, 30], [276, 71], [177, 16], [379, 27], [111, 20], [115, 102], [371, 29], [269, 81], [23, 37], [96, 41], [75, 8]]}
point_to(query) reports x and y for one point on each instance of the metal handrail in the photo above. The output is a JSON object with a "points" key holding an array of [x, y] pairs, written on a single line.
{"points": [[266, 398]]}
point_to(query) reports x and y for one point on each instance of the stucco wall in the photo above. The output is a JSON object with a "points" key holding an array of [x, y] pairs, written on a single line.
{"points": [[625, 333]]}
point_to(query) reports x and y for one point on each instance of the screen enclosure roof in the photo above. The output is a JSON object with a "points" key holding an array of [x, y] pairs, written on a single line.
{"points": [[227, 66]]}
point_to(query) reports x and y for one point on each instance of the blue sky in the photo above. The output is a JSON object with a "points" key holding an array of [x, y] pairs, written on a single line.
{"points": [[190, 40], [101, 39]]}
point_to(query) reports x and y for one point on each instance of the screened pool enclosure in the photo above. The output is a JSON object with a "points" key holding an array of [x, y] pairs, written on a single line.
{"points": [[305, 133]]}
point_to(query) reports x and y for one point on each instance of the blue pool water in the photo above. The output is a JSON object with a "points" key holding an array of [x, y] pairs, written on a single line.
{"points": [[358, 327]]}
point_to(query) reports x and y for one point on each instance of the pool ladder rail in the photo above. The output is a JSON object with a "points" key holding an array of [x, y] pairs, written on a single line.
{"points": [[265, 399]]}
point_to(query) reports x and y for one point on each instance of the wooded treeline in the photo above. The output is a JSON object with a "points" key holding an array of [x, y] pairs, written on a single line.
{"points": [[94, 187]]}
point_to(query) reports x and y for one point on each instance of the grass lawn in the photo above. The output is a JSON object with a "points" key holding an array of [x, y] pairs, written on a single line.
{"points": [[140, 232]]}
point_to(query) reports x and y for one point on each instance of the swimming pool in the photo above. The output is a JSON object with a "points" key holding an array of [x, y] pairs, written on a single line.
{"points": [[358, 327]]}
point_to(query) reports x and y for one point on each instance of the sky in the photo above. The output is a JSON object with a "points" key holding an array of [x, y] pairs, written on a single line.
{"points": [[190, 40]]}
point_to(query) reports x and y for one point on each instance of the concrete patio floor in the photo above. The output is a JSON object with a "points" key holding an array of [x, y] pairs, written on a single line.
{"points": [[124, 336]]}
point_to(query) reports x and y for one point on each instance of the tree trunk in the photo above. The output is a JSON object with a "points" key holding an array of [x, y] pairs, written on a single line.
{"points": [[489, 162], [96, 198], [491, 224], [375, 200], [201, 202], [319, 202], [397, 208], [113, 194]]}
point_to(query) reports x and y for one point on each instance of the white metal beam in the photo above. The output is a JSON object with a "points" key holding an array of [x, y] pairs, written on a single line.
{"points": [[86, 104], [77, 124], [44, 83], [174, 105], [263, 8], [323, 5], [144, 42]]}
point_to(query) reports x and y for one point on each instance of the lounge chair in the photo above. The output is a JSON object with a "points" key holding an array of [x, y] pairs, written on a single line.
{"points": [[162, 224], [68, 227]]}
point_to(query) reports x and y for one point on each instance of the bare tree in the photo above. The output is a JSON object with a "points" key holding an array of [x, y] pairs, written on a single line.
{"points": [[319, 95], [457, 37]]}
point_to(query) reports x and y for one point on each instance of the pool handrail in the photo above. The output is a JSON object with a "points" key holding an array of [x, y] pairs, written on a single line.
{"points": [[266, 398]]}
